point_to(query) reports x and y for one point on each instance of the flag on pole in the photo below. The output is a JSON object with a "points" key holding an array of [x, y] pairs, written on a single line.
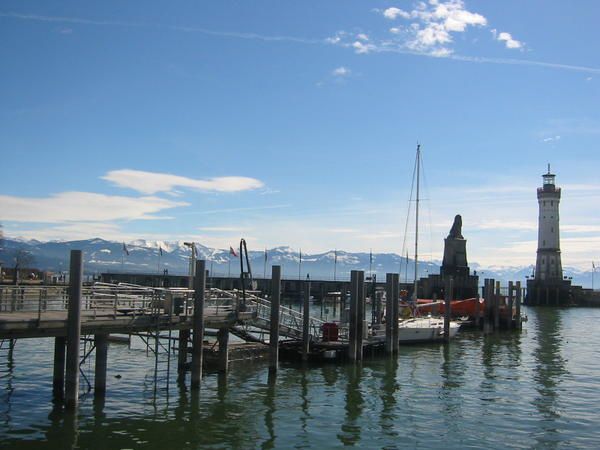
{"points": [[232, 251], [370, 256], [593, 266], [160, 250], [265, 255], [125, 249]]}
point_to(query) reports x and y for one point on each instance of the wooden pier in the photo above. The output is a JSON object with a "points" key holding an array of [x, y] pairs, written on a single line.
{"points": [[92, 313]]}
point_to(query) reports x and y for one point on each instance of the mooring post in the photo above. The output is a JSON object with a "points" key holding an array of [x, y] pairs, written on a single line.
{"points": [[182, 351], [58, 377], [509, 317], [73, 330], [477, 312], [360, 313], [487, 307], [518, 305], [389, 313], [101, 341], [353, 319], [306, 321], [198, 323], [497, 307], [274, 332], [448, 292], [223, 340], [396, 315]]}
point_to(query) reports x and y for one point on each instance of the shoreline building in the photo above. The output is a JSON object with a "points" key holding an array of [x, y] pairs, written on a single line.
{"points": [[548, 286]]}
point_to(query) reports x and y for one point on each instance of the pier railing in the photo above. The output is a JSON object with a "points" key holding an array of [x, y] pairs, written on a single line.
{"points": [[290, 321], [101, 299]]}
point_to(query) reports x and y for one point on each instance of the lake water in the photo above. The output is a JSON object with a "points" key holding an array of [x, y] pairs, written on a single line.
{"points": [[535, 389]]}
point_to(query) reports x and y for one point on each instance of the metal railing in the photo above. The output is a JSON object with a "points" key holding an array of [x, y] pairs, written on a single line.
{"points": [[290, 321]]}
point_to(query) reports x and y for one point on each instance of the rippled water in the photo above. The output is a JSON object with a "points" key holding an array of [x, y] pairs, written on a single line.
{"points": [[537, 389]]}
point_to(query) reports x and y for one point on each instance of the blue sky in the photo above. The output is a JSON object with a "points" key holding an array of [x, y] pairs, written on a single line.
{"points": [[295, 123]]}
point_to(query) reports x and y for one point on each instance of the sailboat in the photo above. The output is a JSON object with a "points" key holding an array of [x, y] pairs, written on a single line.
{"points": [[416, 328]]}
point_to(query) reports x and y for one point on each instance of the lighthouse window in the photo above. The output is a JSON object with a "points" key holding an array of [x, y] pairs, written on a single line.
{"points": [[544, 202], [551, 202], [551, 229]]}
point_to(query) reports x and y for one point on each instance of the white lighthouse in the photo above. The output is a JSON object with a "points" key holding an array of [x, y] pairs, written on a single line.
{"points": [[548, 266]]}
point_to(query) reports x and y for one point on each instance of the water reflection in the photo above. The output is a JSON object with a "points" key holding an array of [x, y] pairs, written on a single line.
{"points": [[389, 387], [549, 372], [269, 402], [351, 427]]}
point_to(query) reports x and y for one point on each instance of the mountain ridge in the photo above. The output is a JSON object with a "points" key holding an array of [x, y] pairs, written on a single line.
{"points": [[101, 255]]}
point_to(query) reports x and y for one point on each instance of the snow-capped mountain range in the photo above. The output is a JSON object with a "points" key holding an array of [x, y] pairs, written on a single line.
{"points": [[145, 256]]}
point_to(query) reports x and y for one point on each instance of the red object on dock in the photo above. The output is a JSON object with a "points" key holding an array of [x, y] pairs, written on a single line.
{"points": [[330, 331]]}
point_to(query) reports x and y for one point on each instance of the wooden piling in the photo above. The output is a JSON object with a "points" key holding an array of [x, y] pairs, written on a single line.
{"points": [[274, 332], [198, 323], [58, 376], [182, 351], [352, 323], [448, 293], [487, 296], [396, 313], [73, 330], [509, 317], [389, 313], [497, 307], [360, 313], [223, 357], [101, 341], [306, 322], [518, 305], [477, 312]]}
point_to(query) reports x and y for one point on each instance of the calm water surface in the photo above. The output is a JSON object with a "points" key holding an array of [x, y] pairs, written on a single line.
{"points": [[537, 389]]}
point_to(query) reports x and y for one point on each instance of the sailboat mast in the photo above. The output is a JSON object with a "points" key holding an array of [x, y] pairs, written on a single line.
{"points": [[417, 220]]}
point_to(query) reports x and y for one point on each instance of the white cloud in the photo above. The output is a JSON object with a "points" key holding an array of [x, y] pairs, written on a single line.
{"points": [[341, 72], [362, 37], [550, 139], [395, 30], [508, 40], [361, 48], [153, 182], [82, 206], [393, 12]]}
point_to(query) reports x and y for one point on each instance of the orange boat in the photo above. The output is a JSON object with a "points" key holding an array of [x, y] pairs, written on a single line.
{"points": [[459, 308]]}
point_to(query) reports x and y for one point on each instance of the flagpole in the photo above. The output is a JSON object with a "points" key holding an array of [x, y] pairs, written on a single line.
{"points": [[335, 265], [371, 263], [229, 266], [593, 270], [300, 266], [265, 268], [159, 253]]}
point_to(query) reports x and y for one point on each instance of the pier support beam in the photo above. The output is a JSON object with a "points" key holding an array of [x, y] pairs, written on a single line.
{"points": [[396, 314], [198, 323], [306, 321], [389, 313], [497, 307], [58, 376], [509, 318], [274, 332], [182, 351], [487, 297], [360, 313], [353, 319], [223, 340], [448, 294], [518, 305], [73, 330], [101, 341]]}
